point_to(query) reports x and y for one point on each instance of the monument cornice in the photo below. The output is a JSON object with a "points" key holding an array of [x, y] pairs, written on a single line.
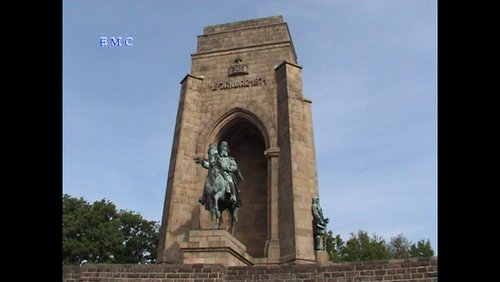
{"points": [[286, 63], [255, 47], [240, 29], [192, 76]]}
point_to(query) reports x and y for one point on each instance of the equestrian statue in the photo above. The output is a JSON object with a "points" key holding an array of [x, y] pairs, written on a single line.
{"points": [[221, 191]]}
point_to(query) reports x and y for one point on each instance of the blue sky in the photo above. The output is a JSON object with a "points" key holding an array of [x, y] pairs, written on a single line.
{"points": [[369, 67]]}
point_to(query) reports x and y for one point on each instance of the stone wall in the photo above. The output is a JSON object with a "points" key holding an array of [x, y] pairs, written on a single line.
{"points": [[418, 270]]}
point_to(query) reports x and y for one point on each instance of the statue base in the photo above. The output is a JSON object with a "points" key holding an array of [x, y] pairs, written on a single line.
{"points": [[322, 256], [214, 246]]}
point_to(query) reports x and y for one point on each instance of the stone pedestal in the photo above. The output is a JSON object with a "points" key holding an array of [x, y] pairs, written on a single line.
{"points": [[214, 246], [322, 256]]}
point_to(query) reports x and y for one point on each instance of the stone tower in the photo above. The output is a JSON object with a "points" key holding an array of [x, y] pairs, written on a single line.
{"points": [[245, 87]]}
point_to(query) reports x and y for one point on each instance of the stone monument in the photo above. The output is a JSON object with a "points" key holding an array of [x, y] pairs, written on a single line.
{"points": [[244, 88]]}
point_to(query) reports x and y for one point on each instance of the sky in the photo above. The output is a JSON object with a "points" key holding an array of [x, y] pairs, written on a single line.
{"points": [[369, 67]]}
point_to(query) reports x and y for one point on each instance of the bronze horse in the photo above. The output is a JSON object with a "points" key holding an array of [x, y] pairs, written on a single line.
{"points": [[216, 198]]}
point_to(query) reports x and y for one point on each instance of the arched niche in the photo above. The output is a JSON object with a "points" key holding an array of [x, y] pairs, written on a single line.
{"points": [[248, 140]]}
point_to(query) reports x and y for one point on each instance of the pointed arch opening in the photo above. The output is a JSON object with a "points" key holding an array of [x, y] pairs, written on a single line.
{"points": [[247, 142]]}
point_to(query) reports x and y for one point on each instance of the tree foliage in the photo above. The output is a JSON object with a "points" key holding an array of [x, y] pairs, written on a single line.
{"points": [[335, 247], [140, 238], [421, 249], [399, 247], [98, 233], [362, 247]]}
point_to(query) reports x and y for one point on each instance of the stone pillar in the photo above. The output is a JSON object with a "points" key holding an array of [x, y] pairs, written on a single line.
{"points": [[272, 243], [180, 208], [297, 169]]}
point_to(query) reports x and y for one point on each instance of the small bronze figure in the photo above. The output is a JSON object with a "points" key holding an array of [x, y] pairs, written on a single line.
{"points": [[319, 225]]}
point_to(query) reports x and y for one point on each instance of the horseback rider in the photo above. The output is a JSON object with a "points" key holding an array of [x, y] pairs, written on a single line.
{"points": [[230, 172]]}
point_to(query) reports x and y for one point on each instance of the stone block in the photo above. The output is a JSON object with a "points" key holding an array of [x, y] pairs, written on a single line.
{"points": [[322, 257], [219, 246]]}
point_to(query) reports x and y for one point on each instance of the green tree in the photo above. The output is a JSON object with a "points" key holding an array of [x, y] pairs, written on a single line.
{"points": [[90, 232], [399, 247], [361, 247], [98, 233], [422, 248], [140, 238], [334, 246]]}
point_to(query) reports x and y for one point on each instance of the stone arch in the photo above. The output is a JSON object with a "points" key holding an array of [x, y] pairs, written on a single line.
{"points": [[222, 118], [250, 134]]}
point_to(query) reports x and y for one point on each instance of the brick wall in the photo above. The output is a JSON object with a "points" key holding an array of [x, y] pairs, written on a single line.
{"points": [[418, 270]]}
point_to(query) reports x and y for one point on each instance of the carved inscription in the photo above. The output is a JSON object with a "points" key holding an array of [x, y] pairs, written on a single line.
{"points": [[237, 84]]}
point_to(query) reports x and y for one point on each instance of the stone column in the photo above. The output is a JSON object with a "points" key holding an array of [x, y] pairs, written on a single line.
{"points": [[182, 192], [272, 243], [297, 170]]}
